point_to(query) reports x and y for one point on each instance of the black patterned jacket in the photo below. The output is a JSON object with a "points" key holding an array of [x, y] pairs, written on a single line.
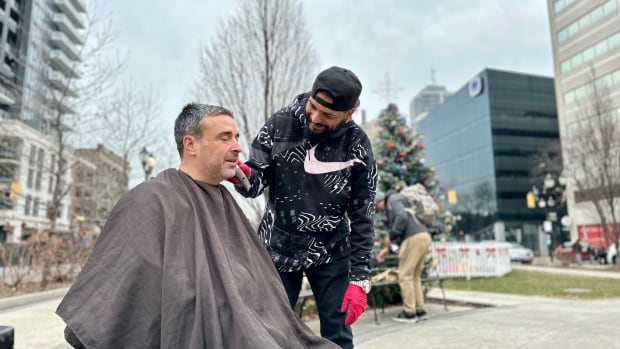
{"points": [[321, 194]]}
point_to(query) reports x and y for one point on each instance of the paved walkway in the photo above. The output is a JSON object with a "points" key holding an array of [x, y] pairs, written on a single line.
{"points": [[510, 321], [532, 324], [36, 326]]}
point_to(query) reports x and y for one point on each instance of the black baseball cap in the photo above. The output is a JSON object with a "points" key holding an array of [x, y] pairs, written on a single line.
{"points": [[341, 84]]}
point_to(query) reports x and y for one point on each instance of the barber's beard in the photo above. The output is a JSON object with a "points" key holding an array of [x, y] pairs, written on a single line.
{"points": [[323, 136]]}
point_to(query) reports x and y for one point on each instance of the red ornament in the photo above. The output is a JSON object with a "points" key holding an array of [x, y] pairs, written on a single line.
{"points": [[391, 145]]}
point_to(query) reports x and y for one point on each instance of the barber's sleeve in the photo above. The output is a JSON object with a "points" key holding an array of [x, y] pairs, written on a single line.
{"points": [[259, 162], [361, 214]]}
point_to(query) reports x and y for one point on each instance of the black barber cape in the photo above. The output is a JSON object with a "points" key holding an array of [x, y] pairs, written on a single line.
{"points": [[178, 265]]}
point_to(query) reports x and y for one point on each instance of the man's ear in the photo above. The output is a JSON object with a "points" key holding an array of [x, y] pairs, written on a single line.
{"points": [[349, 115], [189, 145]]}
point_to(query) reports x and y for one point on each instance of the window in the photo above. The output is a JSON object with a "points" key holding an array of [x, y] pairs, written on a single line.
{"points": [[582, 91], [597, 14], [600, 48], [37, 182], [50, 184], [588, 19], [30, 178], [33, 153], [614, 41], [609, 7], [35, 207], [560, 5], [27, 205], [588, 54], [52, 163]]}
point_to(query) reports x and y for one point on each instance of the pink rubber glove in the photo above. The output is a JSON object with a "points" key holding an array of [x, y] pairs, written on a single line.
{"points": [[244, 168], [355, 301]]}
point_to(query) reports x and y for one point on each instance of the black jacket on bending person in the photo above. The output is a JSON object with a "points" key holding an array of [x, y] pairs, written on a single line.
{"points": [[321, 191]]}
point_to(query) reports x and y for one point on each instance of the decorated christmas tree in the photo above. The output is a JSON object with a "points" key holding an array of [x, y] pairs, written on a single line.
{"points": [[400, 162]]}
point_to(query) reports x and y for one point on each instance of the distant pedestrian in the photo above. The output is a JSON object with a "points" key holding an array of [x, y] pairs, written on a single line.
{"points": [[414, 241], [577, 250]]}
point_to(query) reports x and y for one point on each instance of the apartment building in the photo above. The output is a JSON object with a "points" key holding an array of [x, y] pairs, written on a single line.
{"points": [[585, 36], [98, 188], [27, 166]]}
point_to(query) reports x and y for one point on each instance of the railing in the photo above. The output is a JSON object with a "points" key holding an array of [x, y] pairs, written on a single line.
{"points": [[472, 259]]}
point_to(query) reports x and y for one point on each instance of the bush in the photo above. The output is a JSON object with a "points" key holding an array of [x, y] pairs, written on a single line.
{"points": [[43, 259]]}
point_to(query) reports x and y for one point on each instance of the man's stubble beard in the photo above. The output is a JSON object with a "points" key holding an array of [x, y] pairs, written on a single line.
{"points": [[323, 136]]}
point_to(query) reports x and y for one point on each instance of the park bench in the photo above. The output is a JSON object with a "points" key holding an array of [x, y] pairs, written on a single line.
{"points": [[436, 278], [432, 276]]}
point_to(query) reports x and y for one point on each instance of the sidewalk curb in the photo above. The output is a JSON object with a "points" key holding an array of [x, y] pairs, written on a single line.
{"points": [[16, 301]]}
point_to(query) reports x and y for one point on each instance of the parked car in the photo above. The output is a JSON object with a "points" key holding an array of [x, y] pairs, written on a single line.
{"points": [[519, 253]]}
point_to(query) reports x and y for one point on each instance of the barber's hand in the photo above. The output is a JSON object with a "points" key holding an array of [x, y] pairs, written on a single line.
{"points": [[355, 301], [244, 168], [383, 254]]}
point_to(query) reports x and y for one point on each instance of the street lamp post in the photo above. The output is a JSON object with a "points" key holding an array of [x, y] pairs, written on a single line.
{"points": [[148, 162]]}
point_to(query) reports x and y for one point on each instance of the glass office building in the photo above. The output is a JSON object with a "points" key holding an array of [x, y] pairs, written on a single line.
{"points": [[482, 142]]}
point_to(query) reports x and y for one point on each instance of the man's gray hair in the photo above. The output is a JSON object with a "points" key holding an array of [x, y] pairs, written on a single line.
{"points": [[188, 122]]}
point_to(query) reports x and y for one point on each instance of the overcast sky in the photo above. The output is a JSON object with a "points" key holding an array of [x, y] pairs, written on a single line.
{"points": [[402, 38]]}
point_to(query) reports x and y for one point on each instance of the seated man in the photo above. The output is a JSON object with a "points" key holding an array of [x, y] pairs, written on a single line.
{"points": [[178, 265]]}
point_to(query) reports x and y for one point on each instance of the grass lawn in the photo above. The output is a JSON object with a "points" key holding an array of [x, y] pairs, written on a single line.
{"points": [[530, 283]]}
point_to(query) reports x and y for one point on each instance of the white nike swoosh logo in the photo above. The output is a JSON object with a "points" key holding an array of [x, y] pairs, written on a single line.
{"points": [[314, 166]]}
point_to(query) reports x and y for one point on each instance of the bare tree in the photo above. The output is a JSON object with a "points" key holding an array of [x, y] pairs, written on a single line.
{"points": [[69, 104], [129, 122], [591, 149], [260, 58]]}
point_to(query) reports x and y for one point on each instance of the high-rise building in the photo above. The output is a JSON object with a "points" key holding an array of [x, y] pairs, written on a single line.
{"points": [[11, 29], [585, 37], [482, 141], [52, 40], [40, 42], [426, 100]]}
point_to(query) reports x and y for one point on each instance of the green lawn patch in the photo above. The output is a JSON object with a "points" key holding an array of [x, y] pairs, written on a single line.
{"points": [[530, 283]]}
